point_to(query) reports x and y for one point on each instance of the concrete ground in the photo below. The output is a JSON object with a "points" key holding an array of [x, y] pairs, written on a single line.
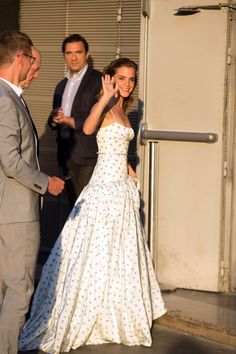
{"points": [[205, 314], [165, 341]]}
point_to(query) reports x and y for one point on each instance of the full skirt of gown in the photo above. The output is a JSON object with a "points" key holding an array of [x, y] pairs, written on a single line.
{"points": [[98, 284]]}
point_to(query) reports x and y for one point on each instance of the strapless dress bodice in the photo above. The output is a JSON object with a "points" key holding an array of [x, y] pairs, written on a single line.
{"points": [[114, 139], [113, 142]]}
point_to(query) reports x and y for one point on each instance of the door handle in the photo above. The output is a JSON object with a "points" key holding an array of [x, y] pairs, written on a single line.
{"points": [[145, 135]]}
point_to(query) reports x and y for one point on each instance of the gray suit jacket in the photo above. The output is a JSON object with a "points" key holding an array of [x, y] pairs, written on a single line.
{"points": [[21, 182]]}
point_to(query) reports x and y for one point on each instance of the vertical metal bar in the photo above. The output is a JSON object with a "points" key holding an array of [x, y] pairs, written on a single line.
{"points": [[153, 184]]}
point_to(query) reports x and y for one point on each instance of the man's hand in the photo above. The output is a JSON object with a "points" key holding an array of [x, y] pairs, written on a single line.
{"points": [[60, 118], [55, 185]]}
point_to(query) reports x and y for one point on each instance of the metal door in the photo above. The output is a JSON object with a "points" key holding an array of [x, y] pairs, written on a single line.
{"points": [[184, 89]]}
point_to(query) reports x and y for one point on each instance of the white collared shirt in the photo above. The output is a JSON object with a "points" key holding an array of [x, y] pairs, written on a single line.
{"points": [[17, 89], [71, 88]]}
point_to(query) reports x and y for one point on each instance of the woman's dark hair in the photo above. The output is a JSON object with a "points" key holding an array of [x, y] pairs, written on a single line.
{"points": [[119, 63], [72, 38]]}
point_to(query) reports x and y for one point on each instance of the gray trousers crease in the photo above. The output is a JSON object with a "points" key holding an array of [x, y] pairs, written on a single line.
{"points": [[19, 245]]}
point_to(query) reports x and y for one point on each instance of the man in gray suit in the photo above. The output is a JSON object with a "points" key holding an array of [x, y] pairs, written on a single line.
{"points": [[21, 184]]}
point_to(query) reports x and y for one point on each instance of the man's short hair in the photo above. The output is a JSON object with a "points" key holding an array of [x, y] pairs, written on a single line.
{"points": [[72, 39], [11, 42]]}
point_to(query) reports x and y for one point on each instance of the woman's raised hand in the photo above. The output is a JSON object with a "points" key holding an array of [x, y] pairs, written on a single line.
{"points": [[109, 87]]}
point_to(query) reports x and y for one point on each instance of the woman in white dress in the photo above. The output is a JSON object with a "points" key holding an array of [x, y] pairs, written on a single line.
{"points": [[98, 285]]}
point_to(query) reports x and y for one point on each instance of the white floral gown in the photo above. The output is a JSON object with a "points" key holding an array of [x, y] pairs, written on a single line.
{"points": [[98, 285]]}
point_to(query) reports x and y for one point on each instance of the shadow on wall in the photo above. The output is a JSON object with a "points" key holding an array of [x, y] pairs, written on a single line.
{"points": [[9, 14]]}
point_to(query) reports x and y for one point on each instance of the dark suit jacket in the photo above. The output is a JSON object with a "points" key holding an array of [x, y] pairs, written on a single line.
{"points": [[82, 148]]}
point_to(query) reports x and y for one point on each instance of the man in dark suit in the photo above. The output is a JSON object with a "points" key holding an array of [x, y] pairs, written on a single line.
{"points": [[21, 184], [73, 99]]}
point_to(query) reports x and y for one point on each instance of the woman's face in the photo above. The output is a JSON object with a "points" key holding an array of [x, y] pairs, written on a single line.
{"points": [[125, 80]]}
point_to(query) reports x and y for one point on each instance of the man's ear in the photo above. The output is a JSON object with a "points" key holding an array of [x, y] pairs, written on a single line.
{"points": [[20, 57]]}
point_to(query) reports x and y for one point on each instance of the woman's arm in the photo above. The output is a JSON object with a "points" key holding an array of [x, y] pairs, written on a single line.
{"points": [[93, 120], [131, 172]]}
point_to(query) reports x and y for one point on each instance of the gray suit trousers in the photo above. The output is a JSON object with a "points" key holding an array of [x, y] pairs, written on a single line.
{"points": [[19, 245]]}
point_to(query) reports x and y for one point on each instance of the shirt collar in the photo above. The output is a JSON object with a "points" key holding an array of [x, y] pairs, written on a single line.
{"points": [[17, 89], [78, 74]]}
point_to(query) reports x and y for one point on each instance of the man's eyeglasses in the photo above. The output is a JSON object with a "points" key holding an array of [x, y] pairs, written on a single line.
{"points": [[31, 58]]}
